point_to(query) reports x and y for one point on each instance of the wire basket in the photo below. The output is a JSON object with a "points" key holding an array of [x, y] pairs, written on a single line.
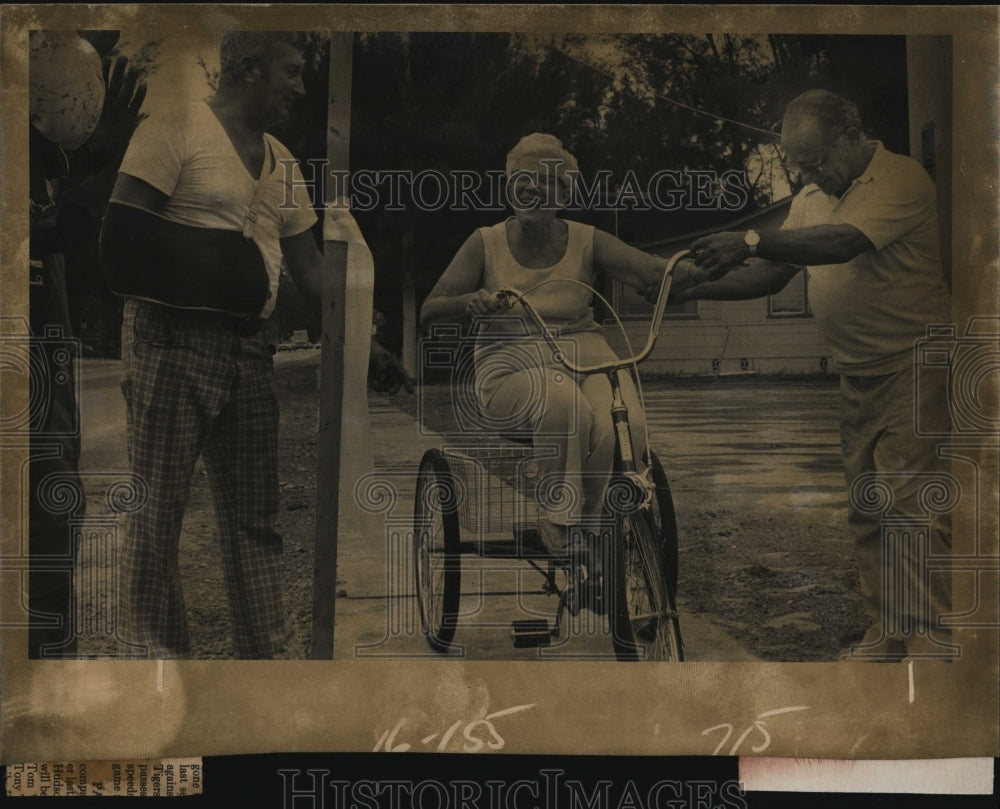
{"points": [[497, 480]]}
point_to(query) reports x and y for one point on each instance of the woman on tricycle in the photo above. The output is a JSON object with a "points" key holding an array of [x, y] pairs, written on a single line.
{"points": [[519, 383]]}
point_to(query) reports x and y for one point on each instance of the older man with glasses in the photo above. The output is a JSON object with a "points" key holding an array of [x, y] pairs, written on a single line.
{"points": [[865, 228]]}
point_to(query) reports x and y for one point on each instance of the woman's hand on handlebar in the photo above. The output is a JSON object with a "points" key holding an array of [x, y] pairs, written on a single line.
{"points": [[651, 292], [482, 303], [688, 273]]}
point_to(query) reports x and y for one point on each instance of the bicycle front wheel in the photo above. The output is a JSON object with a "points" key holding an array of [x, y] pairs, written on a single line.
{"points": [[644, 619], [666, 521], [436, 550]]}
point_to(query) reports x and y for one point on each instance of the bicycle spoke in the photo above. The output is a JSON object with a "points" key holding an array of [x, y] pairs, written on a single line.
{"points": [[647, 620]]}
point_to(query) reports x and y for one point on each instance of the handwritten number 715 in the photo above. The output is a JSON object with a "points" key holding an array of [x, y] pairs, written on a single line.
{"points": [[758, 724]]}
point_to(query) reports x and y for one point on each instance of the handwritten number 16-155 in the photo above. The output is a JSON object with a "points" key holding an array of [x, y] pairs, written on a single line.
{"points": [[758, 724], [478, 733]]}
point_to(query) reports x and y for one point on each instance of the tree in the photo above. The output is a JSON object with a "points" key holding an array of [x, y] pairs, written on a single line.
{"points": [[630, 105]]}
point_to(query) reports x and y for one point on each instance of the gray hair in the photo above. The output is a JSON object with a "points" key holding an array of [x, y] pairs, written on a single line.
{"points": [[260, 47], [832, 112], [545, 147]]}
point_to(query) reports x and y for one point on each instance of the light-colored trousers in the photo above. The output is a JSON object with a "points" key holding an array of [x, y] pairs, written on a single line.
{"points": [[902, 549], [523, 387]]}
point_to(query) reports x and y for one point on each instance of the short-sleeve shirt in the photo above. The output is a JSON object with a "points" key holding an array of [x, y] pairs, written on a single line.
{"points": [[870, 310], [187, 154]]}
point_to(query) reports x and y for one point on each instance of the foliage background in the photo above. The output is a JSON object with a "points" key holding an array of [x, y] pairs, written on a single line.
{"points": [[620, 103]]}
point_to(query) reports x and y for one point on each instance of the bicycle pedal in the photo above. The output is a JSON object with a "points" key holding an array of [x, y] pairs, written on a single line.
{"points": [[533, 632]]}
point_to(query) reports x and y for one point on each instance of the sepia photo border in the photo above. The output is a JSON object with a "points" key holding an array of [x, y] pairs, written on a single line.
{"points": [[105, 709]]}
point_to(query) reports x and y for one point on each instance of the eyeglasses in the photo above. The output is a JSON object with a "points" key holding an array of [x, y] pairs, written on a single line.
{"points": [[796, 170]]}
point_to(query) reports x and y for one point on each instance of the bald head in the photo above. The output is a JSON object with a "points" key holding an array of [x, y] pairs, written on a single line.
{"points": [[821, 135], [829, 111]]}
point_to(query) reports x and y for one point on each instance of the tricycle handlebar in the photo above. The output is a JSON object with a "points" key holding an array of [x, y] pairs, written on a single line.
{"points": [[509, 297]]}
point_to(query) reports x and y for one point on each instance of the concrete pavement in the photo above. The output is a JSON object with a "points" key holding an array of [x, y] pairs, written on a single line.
{"points": [[699, 431], [378, 614]]}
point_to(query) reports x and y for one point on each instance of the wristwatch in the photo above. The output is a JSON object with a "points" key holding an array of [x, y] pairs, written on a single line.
{"points": [[751, 240]]}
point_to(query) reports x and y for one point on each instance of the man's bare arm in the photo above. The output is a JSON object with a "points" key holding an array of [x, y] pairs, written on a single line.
{"points": [[305, 265], [812, 246], [755, 279]]}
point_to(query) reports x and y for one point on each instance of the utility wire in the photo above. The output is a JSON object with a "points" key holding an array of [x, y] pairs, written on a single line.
{"points": [[680, 104]]}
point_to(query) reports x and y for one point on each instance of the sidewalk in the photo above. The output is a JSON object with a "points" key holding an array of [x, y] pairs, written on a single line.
{"points": [[377, 614]]}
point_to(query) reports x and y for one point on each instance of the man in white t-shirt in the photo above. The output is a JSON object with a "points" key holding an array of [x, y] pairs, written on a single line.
{"points": [[865, 228], [204, 211]]}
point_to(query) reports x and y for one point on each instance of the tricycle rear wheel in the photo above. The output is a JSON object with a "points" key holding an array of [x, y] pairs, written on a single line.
{"points": [[437, 563]]}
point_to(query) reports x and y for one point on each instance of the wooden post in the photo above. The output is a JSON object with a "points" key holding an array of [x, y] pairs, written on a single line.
{"points": [[332, 366], [409, 292], [410, 328]]}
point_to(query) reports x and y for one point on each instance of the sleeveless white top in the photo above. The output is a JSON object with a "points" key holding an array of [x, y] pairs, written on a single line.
{"points": [[567, 308]]}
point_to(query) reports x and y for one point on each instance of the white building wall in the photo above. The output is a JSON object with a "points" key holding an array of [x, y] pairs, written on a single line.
{"points": [[727, 345]]}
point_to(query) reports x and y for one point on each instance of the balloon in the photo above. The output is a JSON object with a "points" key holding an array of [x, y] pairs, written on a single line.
{"points": [[66, 87]]}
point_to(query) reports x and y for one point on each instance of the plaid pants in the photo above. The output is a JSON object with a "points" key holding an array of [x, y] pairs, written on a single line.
{"points": [[195, 388]]}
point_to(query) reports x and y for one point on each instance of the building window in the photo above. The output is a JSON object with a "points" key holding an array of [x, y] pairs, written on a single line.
{"points": [[792, 301], [630, 305]]}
